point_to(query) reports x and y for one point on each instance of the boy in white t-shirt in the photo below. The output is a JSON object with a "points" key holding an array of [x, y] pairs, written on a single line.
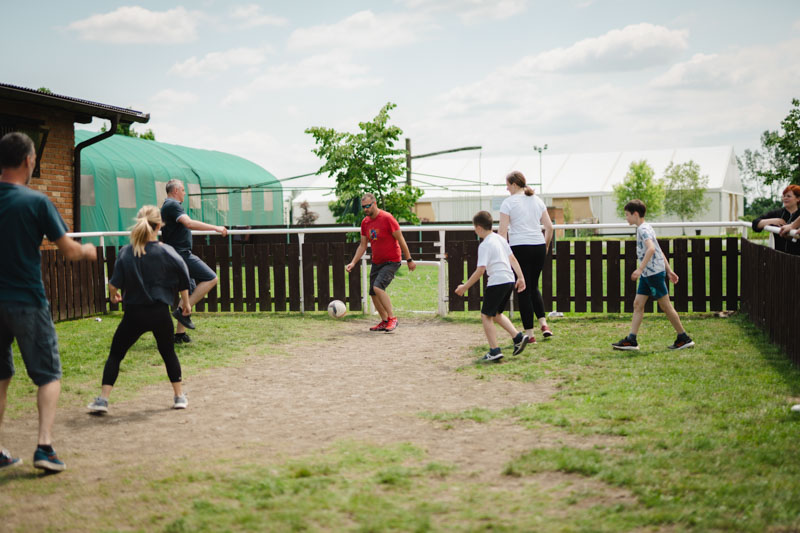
{"points": [[652, 274], [495, 258]]}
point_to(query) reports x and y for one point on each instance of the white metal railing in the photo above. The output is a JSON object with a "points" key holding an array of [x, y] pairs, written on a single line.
{"points": [[440, 256]]}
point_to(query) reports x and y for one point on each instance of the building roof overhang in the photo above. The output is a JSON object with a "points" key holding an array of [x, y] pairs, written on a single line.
{"points": [[83, 110]]}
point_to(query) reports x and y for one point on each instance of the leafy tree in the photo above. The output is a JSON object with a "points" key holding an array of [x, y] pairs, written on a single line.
{"points": [[307, 218], [640, 183], [685, 190], [759, 206], [128, 131], [44, 90], [784, 145], [366, 162]]}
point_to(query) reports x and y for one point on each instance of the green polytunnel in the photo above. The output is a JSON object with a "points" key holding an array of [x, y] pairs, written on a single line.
{"points": [[121, 174]]}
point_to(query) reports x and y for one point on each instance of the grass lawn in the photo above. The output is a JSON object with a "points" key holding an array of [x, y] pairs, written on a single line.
{"points": [[705, 439]]}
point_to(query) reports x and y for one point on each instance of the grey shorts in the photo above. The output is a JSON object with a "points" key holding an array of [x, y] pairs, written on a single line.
{"points": [[198, 270], [381, 275], [33, 328]]}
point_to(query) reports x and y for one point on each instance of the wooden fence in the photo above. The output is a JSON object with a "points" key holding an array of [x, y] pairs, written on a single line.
{"points": [[594, 276], [769, 294], [581, 276]]}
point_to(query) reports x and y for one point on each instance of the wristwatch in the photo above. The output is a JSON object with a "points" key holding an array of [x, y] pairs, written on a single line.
{"points": [[410, 260]]}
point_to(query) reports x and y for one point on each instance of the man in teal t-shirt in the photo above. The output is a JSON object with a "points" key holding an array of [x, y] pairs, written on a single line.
{"points": [[28, 216]]}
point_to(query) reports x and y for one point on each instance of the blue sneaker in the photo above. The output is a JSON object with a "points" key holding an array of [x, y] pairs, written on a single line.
{"points": [[6, 460], [48, 461]]}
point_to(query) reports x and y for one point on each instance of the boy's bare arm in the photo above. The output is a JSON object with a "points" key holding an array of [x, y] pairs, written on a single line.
{"points": [[473, 279], [648, 254]]}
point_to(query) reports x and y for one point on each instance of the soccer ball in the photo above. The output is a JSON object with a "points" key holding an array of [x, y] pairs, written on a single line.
{"points": [[337, 309]]}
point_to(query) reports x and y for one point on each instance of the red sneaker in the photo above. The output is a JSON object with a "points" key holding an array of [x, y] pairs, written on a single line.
{"points": [[380, 326], [391, 324], [546, 333]]}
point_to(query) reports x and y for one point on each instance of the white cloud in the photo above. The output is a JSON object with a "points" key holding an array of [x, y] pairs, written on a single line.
{"points": [[471, 11], [705, 100], [333, 70], [170, 98], [216, 62], [634, 47], [362, 30], [251, 17], [796, 24], [135, 25], [752, 67]]}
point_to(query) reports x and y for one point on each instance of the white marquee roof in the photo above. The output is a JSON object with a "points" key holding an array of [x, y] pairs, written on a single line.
{"points": [[563, 175]]}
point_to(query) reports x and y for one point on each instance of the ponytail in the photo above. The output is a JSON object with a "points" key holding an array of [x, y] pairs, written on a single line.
{"points": [[148, 219], [518, 178]]}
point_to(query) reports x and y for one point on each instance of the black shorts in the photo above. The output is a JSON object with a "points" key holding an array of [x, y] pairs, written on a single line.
{"points": [[198, 270], [381, 275], [495, 298]]}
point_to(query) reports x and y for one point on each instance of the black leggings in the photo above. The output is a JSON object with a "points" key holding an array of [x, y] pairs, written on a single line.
{"points": [[137, 320], [531, 260]]}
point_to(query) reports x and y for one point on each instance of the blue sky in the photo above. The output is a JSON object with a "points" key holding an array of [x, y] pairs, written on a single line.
{"points": [[580, 75]]}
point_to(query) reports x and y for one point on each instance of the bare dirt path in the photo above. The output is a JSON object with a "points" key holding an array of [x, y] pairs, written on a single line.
{"points": [[349, 384]]}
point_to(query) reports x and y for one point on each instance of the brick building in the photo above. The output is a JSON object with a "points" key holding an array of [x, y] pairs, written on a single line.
{"points": [[49, 119]]}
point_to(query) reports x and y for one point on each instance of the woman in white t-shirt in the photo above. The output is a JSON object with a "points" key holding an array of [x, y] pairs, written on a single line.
{"points": [[522, 217]]}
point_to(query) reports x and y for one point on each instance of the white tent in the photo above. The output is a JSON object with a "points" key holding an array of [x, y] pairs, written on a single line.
{"points": [[457, 187]]}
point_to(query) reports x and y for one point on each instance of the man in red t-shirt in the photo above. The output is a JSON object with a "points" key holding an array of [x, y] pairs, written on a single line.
{"points": [[382, 231]]}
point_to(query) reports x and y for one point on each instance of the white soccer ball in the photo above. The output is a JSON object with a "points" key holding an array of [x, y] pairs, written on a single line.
{"points": [[337, 309]]}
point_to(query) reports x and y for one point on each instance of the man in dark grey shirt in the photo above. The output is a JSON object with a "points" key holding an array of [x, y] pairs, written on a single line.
{"points": [[177, 232]]}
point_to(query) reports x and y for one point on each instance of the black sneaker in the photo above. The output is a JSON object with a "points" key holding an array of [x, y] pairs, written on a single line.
{"points": [[182, 338], [625, 344], [683, 341], [490, 356], [520, 342], [185, 320]]}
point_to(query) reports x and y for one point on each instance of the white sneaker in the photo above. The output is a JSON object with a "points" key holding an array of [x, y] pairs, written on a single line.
{"points": [[98, 406], [180, 402], [796, 408]]}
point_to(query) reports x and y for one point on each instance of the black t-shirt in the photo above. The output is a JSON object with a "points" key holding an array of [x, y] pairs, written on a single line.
{"points": [[153, 277], [781, 244], [174, 233], [25, 216]]}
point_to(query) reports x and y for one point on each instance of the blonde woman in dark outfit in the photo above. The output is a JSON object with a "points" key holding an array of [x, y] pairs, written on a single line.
{"points": [[148, 273], [522, 217]]}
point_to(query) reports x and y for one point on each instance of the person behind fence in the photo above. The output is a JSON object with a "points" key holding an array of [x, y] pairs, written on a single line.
{"points": [[652, 272], [177, 233], [522, 217], [148, 273], [382, 232], [787, 218], [497, 260], [26, 217]]}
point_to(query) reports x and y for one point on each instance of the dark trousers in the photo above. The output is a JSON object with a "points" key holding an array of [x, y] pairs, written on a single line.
{"points": [[531, 260], [137, 320]]}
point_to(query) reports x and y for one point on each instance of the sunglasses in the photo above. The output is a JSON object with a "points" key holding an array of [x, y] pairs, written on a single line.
{"points": [[366, 206]]}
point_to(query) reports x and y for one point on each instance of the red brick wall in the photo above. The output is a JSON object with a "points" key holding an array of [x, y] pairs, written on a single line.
{"points": [[56, 165]]}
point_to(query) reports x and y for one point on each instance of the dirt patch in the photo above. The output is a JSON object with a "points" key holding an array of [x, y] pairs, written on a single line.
{"points": [[351, 384]]}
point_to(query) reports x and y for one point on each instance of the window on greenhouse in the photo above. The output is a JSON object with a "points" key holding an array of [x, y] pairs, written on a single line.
{"points": [[126, 191], [268, 201], [195, 200], [161, 192], [87, 189], [247, 200], [222, 200]]}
